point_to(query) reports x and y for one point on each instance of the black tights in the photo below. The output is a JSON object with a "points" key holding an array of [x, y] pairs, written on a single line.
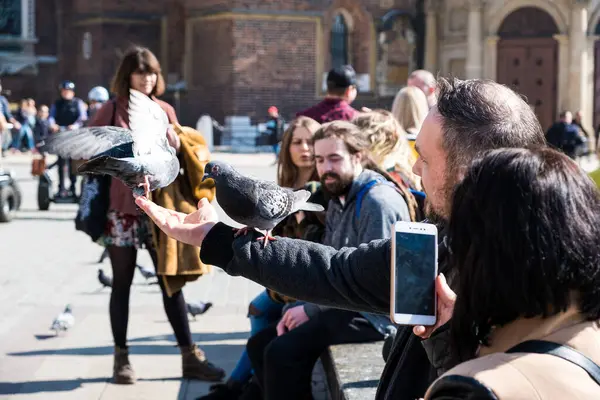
{"points": [[123, 260]]}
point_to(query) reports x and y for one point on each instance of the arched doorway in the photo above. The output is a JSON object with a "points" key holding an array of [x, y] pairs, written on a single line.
{"points": [[528, 59]]}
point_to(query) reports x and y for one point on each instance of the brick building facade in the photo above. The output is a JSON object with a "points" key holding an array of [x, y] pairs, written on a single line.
{"points": [[234, 57]]}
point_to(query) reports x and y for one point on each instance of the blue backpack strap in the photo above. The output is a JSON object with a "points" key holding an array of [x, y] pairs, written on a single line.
{"points": [[363, 191], [418, 195]]}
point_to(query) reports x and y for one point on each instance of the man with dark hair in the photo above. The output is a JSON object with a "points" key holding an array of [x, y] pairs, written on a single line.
{"points": [[470, 118], [341, 92]]}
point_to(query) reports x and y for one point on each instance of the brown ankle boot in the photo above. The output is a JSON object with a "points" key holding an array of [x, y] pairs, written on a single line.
{"points": [[196, 366], [122, 371]]}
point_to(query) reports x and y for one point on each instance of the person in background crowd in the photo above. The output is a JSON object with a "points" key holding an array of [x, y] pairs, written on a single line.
{"points": [[42, 124], [425, 81], [389, 147], [565, 136], [68, 112], [5, 110], [535, 284], [341, 92], [275, 126], [25, 115], [410, 109], [296, 169], [578, 121], [127, 231], [96, 98]]}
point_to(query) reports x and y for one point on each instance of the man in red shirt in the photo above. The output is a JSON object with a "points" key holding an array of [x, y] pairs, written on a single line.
{"points": [[341, 91]]}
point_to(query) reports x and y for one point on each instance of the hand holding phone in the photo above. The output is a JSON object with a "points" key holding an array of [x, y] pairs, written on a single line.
{"points": [[413, 274], [445, 307]]}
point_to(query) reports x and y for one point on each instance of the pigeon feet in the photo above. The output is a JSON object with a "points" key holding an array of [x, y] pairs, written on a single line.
{"points": [[146, 186], [242, 231], [268, 238]]}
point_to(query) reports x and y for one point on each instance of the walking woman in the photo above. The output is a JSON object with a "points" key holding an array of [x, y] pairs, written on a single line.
{"points": [[127, 230]]}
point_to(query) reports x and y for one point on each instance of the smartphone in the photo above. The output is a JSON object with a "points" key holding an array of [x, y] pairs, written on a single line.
{"points": [[414, 269]]}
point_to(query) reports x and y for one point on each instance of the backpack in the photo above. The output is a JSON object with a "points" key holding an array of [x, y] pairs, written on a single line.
{"points": [[418, 196]]}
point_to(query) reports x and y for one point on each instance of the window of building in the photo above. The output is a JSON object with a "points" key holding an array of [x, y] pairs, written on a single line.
{"points": [[10, 17], [339, 42]]}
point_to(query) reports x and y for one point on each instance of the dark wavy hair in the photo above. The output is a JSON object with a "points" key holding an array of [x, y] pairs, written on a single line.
{"points": [[523, 236], [137, 59]]}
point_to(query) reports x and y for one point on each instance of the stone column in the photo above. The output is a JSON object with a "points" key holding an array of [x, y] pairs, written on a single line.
{"points": [[563, 72], [25, 19], [578, 56], [431, 37], [490, 62], [474, 65]]}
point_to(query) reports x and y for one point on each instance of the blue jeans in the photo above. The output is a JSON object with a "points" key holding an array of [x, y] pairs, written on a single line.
{"points": [[263, 311], [25, 131]]}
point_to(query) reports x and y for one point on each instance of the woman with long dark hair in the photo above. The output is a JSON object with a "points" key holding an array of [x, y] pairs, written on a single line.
{"points": [[128, 230], [523, 237]]}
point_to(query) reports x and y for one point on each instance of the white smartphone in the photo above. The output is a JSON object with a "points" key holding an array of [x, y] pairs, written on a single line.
{"points": [[414, 269]]}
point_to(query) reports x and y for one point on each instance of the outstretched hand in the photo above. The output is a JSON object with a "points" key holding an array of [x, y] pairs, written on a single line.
{"points": [[445, 307], [186, 228]]}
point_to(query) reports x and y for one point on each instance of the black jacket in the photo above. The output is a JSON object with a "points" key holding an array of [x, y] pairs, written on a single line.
{"points": [[351, 278]]}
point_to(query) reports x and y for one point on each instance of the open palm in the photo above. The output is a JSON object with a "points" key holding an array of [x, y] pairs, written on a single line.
{"points": [[187, 228]]}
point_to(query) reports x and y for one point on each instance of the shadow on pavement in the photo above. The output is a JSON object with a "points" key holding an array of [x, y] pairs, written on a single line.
{"points": [[141, 349], [197, 337], [7, 388]]}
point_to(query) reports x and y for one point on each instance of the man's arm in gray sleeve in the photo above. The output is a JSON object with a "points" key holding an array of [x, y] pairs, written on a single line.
{"points": [[350, 278]]}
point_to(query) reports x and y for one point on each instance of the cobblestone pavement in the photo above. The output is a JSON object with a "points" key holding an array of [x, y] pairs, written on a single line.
{"points": [[45, 264]]}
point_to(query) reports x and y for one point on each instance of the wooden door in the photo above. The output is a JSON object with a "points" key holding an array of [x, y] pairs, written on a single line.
{"points": [[529, 66]]}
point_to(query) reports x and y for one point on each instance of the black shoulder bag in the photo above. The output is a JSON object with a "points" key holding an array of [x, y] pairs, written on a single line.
{"points": [[561, 351]]}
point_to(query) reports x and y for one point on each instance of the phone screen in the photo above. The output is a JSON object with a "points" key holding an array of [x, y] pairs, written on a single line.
{"points": [[415, 273]]}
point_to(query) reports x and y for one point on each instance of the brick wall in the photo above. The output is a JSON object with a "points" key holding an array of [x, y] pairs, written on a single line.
{"points": [[210, 82], [274, 64]]}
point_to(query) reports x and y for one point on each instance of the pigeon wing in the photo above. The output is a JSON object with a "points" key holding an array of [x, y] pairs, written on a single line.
{"points": [[85, 143], [274, 202], [148, 121]]}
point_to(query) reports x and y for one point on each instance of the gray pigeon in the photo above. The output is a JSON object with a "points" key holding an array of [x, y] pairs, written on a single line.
{"points": [[146, 272], [141, 157], [63, 321], [255, 203], [198, 308], [104, 280]]}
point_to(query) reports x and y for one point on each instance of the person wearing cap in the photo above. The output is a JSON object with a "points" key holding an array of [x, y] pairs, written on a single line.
{"points": [[275, 126], [341, 92], [67, 112], [96, 98]]}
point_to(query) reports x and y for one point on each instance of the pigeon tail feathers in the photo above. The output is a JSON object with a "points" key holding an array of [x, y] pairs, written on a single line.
{"points": [[300, 202]]}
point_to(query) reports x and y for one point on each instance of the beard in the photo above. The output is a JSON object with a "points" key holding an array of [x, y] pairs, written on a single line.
{"points": [[440, 217], [339, 187]]}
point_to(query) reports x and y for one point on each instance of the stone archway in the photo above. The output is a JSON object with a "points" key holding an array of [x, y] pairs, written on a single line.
{"points": [[528, 59]]}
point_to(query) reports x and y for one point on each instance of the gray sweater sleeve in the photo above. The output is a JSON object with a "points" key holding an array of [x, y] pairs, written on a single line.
{"points": [[351, 278]]}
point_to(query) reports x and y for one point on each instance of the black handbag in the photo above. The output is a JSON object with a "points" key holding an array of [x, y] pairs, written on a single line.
{"points": [[94, 201], [93, 205]]}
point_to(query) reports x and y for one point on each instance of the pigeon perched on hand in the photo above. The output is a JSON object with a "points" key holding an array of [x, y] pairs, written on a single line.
{"points": [[198, 308], [146, 272], [255, 203], [141, 157], [63, 321], [105, 281]]}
